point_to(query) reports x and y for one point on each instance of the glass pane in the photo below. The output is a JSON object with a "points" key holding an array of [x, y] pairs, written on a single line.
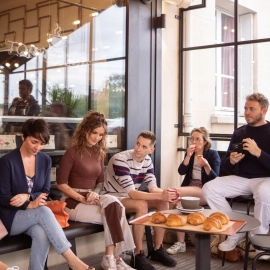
{"points": [[213, 24], [79, 88], [208, 96], [253, 73], [253, 19], [36, 78], [109, 33], [108, 91], [78, 45], [55, 77], [32, 63], [13, 90], [56, 54]]}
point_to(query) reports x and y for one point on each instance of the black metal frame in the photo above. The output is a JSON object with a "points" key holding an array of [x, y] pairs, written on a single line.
{"points": [[235, 44]]}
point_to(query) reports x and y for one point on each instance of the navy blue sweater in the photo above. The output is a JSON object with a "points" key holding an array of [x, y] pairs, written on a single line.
{"points": [[250, 166], [13, 182], [214, 161]]}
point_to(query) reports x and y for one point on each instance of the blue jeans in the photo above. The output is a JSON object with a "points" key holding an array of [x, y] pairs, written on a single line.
{"points": [[41, 225]]}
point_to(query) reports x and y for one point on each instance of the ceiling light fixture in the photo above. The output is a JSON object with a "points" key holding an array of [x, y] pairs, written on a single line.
{"points": [[94, 14]]}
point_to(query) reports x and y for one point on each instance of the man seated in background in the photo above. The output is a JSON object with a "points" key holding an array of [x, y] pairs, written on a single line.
{"points": [[25, 105], [248, 162], [125, 173]]}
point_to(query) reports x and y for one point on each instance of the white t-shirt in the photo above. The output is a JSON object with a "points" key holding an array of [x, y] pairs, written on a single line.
{"points": [[197, 170]]}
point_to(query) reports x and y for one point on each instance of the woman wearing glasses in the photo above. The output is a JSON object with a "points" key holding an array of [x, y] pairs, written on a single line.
{"points": [[200, 165]]}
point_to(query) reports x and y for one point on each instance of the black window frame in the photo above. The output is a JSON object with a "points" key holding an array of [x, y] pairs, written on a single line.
{"points": [[234, 44]]}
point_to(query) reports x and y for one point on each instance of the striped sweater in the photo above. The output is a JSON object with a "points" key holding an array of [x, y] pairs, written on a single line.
{"points": [[124, 174]]}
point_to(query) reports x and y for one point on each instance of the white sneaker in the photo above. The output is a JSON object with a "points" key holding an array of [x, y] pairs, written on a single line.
{"points": [[108, 262], [121, 265], [13, 268], [231, 242], [263, 257], [176, 248]]}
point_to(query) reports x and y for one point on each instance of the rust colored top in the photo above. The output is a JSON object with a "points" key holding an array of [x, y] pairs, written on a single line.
{"points": [[83, 172]]}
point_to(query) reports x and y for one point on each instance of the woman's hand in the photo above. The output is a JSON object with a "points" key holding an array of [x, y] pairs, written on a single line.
{"points": [[190, 150], [92, 198], [19, 200], [202, 162], [39, 201]]}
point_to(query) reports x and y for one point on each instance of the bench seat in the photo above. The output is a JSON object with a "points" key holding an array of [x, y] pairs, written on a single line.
{"points": [[22, 241]]}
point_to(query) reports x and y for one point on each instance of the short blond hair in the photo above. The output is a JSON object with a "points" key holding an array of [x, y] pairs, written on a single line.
{"points": [[205, 135]]}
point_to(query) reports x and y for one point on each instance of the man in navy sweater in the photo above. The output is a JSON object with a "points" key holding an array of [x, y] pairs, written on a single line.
{"points": [[249, 171]]}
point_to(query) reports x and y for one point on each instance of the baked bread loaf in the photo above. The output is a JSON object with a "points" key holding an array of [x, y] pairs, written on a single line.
{"points": [[221, 216], [211, 223], [196, 218], [158, 218], [174, 220]]}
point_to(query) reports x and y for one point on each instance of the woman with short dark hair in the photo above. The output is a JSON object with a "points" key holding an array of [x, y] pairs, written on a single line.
{"points": [[24, 187]]}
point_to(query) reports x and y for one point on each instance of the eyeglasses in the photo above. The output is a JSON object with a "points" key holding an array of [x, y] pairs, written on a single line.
{"points": [[195, 139]]}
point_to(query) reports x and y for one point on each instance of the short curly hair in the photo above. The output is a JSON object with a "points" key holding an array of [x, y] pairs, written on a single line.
{"points": [[91, 121]]}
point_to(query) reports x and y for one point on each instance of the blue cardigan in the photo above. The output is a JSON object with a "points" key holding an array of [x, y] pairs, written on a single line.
{"points": [[213, 159], [13, 181]]}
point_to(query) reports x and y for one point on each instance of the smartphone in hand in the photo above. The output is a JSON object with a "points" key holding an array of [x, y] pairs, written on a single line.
{"points": [[238, 147]]}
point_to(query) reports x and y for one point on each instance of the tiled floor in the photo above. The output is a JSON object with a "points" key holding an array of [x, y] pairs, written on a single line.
{"points": [[185, 261]]}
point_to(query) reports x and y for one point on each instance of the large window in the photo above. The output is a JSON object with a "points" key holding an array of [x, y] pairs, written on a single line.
{"points": [[225, 56], [75, 55]]}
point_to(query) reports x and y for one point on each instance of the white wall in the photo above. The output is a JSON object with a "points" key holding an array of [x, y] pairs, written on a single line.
{"points": [[170, 158]]}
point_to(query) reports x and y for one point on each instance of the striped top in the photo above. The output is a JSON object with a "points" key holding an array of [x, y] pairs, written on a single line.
{"points": [[124, 174]]}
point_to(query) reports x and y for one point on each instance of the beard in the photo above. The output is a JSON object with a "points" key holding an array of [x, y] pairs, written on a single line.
{"points": [[255, 120]]}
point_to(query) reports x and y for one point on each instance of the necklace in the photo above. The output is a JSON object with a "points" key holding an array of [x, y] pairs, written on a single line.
{"points": [[89, 154]]}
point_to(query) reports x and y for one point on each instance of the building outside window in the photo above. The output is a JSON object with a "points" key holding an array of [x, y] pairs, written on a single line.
{"points": [[223, 60]]}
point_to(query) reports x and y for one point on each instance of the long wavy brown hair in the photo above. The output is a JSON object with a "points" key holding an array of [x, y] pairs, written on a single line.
{"points": [[91, 121]]}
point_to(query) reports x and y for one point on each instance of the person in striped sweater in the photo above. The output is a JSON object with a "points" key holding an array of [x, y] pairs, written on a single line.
{"points": [[126, 172]]}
